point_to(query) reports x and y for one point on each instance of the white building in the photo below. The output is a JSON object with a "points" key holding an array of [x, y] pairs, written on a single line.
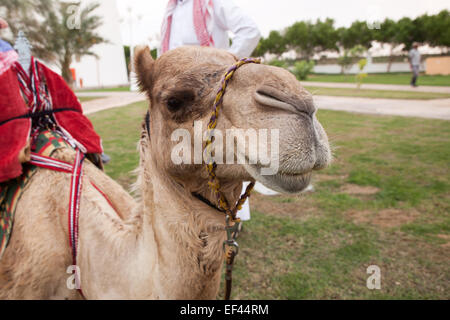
{"points": [[109, 68]]}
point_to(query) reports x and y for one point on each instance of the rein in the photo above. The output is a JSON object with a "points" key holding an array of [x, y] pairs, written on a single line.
{"points": [[230, 246], [38, 115], [76, 171]]}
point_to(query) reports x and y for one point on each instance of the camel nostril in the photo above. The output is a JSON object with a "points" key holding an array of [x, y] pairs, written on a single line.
{"points": [[275, 98], [269, 100]]}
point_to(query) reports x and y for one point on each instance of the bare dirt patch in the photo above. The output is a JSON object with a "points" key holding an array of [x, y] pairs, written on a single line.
{"points": [[359, 190], [394, 217], [445, 237], [301, 206], [411, 263], [387, 218]]}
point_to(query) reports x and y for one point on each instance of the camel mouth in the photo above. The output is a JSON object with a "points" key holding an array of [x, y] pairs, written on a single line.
{"points": [[282, 181], [290, 183]]}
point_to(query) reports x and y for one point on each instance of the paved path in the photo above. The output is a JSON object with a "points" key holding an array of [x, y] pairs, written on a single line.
{"points": [[377, 86], [110, 100], [433, 109]]}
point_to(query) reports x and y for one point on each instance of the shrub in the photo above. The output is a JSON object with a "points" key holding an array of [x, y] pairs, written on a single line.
{"points": [[278, 63], [302, 69], [361, 75]]}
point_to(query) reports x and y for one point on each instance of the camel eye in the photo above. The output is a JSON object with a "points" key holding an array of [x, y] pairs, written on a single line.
{"points": [[180, 99], [174, 104]]}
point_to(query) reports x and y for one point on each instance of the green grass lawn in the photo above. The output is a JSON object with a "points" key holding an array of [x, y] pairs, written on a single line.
{"points": [[385, 201], [120, 130], [368, 93], [384, 78], [115, 89]]}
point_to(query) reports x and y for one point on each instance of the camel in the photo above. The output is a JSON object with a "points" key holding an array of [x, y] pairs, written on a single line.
{"points": [[167, 243]]}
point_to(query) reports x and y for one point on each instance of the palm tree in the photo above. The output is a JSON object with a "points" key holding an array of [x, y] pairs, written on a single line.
{"points": [[57, 32]]}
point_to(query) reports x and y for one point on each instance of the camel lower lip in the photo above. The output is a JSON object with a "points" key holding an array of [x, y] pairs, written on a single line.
{"points": [[291, 183], [293, 177], [285, 182]]}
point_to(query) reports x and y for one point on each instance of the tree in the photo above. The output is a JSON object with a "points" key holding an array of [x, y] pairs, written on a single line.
{"points": [[307, 38], [325, 36], [58, 31], [275, 43], [20, 17], [127, 53], [433, 30], [345, 61], [357, 34], [299, 38], [387, 34], [406, 32], [260, 49], [439, 31], [349, 56], [354, 40]]}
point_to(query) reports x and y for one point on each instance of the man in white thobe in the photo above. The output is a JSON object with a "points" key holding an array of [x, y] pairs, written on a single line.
{"points": [[180, 26]]}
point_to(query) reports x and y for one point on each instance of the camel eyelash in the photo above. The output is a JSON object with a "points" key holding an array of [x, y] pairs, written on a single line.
{"points": [[181, 95]]}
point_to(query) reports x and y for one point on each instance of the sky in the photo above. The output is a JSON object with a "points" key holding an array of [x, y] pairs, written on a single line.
{"points": [[278, 14]]}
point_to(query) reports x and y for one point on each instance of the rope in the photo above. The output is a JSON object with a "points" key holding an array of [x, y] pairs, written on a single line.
{"points": [[38, 114], [211, 166], [76, 171], [230, 246], [229, 258]]}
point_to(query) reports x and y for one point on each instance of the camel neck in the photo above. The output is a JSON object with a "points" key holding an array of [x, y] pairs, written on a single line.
{"points": [[188, 235]]}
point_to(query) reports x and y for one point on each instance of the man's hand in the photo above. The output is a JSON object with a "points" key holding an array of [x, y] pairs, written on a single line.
{"points": [[3, 24]]}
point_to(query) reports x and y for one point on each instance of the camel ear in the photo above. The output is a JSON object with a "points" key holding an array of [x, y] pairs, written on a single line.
{"points": [[143, 63]]}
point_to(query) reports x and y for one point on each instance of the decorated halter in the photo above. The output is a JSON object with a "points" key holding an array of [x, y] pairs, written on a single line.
{"points": [[211, 165], [230, 246]]}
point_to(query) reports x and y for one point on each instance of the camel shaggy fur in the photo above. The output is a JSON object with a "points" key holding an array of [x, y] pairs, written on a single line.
{"points": [[168, 244]]}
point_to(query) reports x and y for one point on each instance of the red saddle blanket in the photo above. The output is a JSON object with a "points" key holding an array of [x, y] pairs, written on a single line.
{"points": [[16, 113]]}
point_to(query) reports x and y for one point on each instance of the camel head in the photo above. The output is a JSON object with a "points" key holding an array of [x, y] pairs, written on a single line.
{"points": [[181, 86]]}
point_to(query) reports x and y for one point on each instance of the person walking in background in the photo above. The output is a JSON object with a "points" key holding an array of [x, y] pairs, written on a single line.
{"points": [[207, 23], [414, 61]]}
